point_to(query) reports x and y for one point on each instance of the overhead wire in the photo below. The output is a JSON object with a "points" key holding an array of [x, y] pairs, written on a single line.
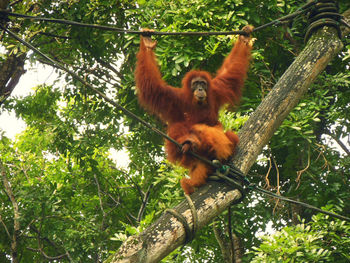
{"points": [[300, 11], [233, 171]]}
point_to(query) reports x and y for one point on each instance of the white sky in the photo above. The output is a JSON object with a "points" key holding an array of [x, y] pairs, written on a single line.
{"points": [[39, 74], [36, 75]]}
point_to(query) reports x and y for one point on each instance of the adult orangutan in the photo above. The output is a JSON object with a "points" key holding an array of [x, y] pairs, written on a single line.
{"points": [[191, 112]]}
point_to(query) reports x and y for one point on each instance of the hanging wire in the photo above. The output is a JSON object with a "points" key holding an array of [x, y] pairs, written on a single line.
{"points": [[300, 11], [286, 199], [232, 170], [117, 29], [77, 77], [101, 94]]}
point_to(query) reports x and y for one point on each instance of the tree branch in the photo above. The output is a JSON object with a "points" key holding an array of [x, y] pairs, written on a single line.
{"points": [[220, 238], [11, 71], [285, 95], [42, 252], [16, 214], [167, 233], [47, 256], [338, 141], [4, 4], [144, 203]]}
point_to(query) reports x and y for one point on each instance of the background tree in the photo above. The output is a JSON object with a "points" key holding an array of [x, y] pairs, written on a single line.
{"points": [[64, 198]]}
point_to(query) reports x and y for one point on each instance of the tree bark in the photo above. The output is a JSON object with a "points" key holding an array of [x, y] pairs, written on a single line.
{"points": [[11, 71], [4, 4], [167, 233], [16, 215], [224, 245]]}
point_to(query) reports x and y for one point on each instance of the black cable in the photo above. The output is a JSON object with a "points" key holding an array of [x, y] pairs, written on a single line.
{"points": [[117, 29], [324, 13], [233, 171], [302, 10], [269, 193], [189, 234], [74, 75], [117, 105], [243, 185]]}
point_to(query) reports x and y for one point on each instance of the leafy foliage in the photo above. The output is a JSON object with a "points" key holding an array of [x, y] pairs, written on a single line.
{"points": [[319, 240], [74, 198]]}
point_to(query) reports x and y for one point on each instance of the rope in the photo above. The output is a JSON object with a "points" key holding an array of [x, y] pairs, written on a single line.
{"points": [[232, 171], [189, 234]]}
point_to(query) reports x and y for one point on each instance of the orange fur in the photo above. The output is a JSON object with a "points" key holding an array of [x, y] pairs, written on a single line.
{"points": [[198, 174], [187, 121]]}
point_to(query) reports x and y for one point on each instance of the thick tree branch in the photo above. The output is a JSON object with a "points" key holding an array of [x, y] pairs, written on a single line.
{"points": [[4, 4], [225, 249], [338, 141], [16, 214], [167, 233], [10, 72], [322, 47]]}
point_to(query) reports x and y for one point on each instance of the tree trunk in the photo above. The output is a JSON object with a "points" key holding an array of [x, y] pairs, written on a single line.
{"points": [[167, 233], [11, 71]]}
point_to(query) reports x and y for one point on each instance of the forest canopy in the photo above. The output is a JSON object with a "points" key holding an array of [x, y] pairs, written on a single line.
{"points": [[66, 197]]}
